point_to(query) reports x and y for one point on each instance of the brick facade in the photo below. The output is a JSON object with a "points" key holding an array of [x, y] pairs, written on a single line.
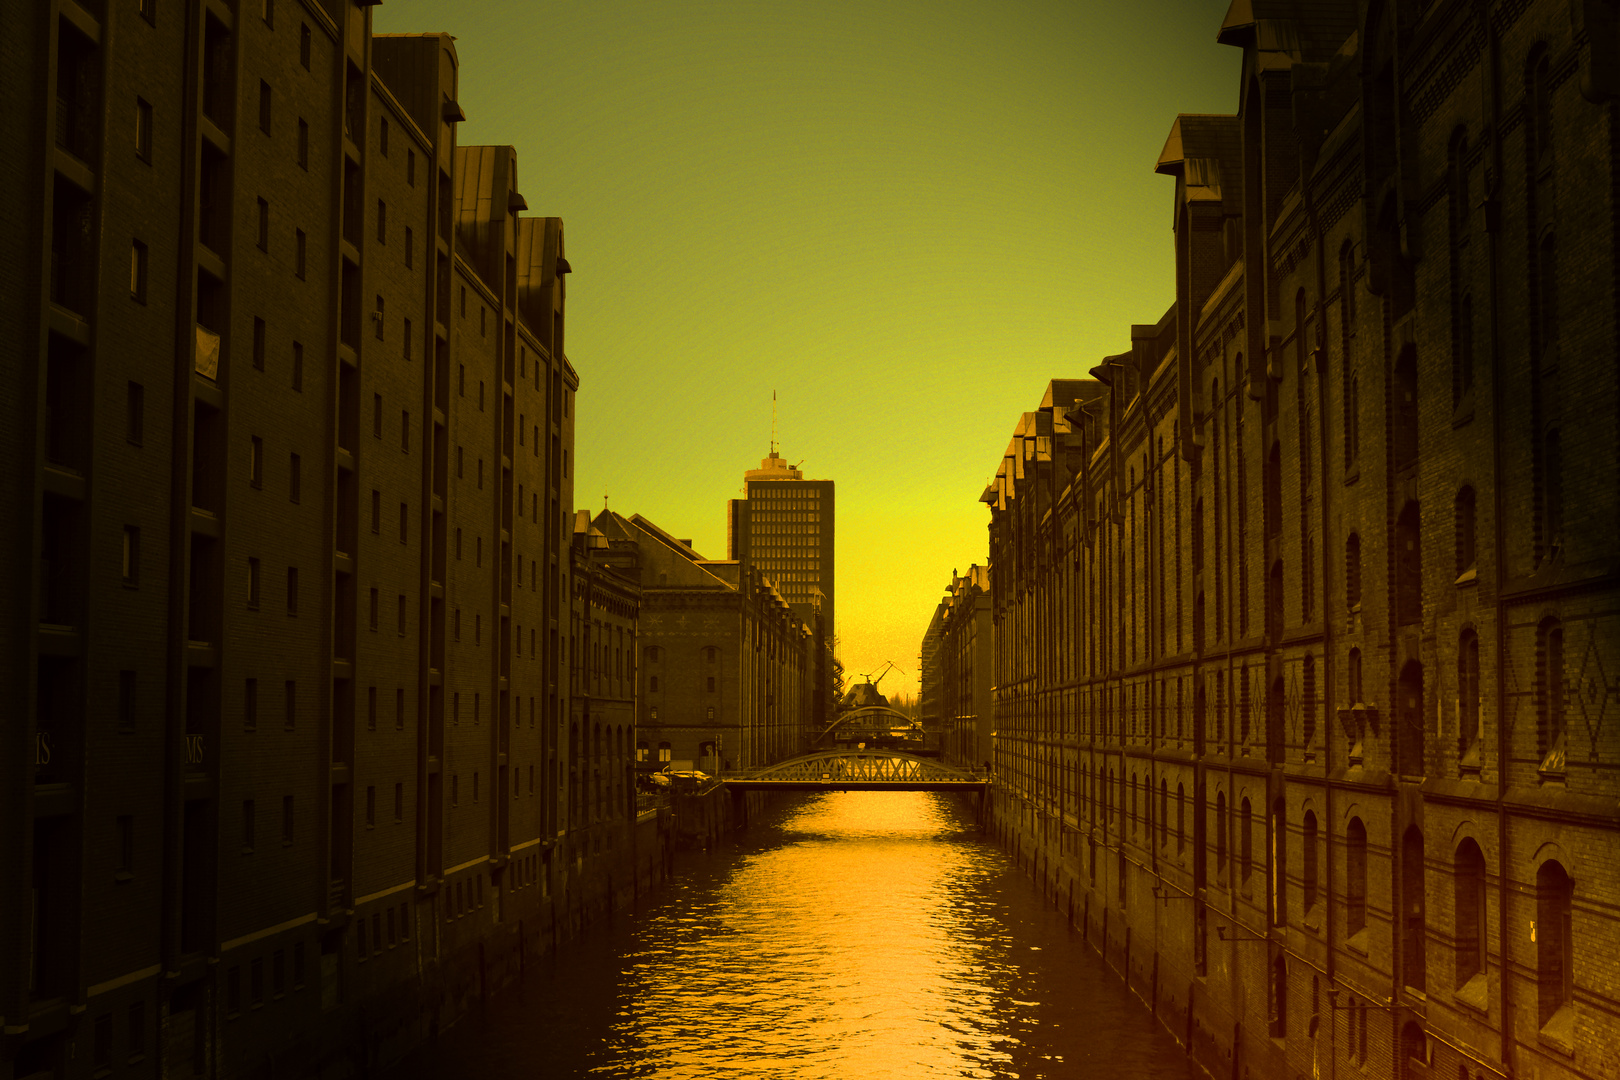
{"points": [[1304, 602]]}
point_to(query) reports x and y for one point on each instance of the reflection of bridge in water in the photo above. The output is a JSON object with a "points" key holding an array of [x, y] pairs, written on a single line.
{"points": [[858, 770]]}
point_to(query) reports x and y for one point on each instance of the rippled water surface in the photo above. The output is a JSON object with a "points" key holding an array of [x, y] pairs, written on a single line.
{"points": [[857, 934]]}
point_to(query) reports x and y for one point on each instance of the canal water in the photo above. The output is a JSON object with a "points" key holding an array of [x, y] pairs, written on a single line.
{"points": [[846, 934]]}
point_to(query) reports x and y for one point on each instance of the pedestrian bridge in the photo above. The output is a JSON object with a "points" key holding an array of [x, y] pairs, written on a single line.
{"points": [[858, 770]]}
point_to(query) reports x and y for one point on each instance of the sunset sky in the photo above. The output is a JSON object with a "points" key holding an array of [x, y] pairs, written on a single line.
{"points": [[905, 218]]}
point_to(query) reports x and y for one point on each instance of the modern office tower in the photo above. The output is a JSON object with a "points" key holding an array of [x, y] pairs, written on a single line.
{"points": [[288, 422], [785, 528]]}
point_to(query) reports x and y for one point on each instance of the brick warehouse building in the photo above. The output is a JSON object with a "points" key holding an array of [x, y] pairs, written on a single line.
{"points": [[1304, 605], [286, 604], [958, 669], [726, 666]]}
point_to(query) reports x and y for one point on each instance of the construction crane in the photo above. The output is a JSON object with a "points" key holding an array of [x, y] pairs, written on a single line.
{"points": [[889, 665]]}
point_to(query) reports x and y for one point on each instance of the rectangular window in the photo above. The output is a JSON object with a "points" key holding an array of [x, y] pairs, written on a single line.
{"points": [[295, 483], [137, 272], [126, 701], [404, 523], [303, 51], [126, 847], [291, 704], [373, 609], [258, 343], [401, 614], [298, 256], [405, 431], [137, 1031], [382, 219], [148, 10], [377, 318], [264, 106], [303, 143], [267, 10], [286, 820], [410, 245], [298, 357], [132, 556], [101, 1044], [135, 421], [143, 129], [458, 462], [292, 590], [256, 462], [253, 583], [264, 225], [376, 416], [250, 705], [376, 512], [247, 826]]}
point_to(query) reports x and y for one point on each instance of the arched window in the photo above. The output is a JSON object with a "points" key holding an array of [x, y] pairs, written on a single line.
{"points": [[1468, 887], [1409, 566], [1279, 862], [641, 749], [1355, 885], [1555, 956], [1300, 349], [1469, 730], [1198, 623], [1405, 390], [1409, 720], [1198, 536], [1538, 110], [1552, 492], [1464, 513], [1352, 571], [1274, 603], [1413, 1057], [1220, 836], [1276, 716], [1181, 819], [1245, 840], [1164, 812], [1243, 706], [1308, 858], [1307, 703], [663, 751], [1273, 491], [1414, 934], [1550, 695]]}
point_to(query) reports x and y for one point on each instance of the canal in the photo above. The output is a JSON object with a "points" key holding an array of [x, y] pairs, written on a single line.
{"points": [[869, 934]]}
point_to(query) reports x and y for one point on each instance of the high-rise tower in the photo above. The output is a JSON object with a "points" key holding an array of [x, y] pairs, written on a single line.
{"points": [[784, 527]]}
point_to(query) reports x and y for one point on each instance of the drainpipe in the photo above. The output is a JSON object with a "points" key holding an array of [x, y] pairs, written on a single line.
{"points": [[1493, 213]]}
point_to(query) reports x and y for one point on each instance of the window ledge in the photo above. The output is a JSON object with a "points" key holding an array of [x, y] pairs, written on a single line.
{"points": [[1357, 942], [1475, 993], [1469, 576], [1559, 1032]]}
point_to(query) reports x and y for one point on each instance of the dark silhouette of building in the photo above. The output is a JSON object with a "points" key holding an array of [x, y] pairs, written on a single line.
{"points": [[959, 672], [288, 419], [1304, 603]]}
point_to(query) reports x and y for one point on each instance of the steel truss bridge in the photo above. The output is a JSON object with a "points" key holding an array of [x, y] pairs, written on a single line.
{"points": [[858, 770]]}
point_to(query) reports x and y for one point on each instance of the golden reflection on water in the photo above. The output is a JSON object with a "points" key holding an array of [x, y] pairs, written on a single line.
{"points": [[858, 942], [841, 935]]}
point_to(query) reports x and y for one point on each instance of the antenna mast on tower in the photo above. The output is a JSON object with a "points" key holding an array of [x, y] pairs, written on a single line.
{"points": [[773, 423]]}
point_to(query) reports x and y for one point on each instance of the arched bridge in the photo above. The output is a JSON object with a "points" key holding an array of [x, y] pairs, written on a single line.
{"points": [[858, 770]]}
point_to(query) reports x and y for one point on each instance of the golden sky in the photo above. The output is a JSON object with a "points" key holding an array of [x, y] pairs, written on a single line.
{"points": [[905, 218]]}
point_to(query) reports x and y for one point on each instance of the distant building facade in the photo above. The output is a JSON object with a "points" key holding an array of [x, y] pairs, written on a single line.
{"points": [[965, 660], [785, 528], [1303, 606], [602, 647], [726, 665], [288, 421]]}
